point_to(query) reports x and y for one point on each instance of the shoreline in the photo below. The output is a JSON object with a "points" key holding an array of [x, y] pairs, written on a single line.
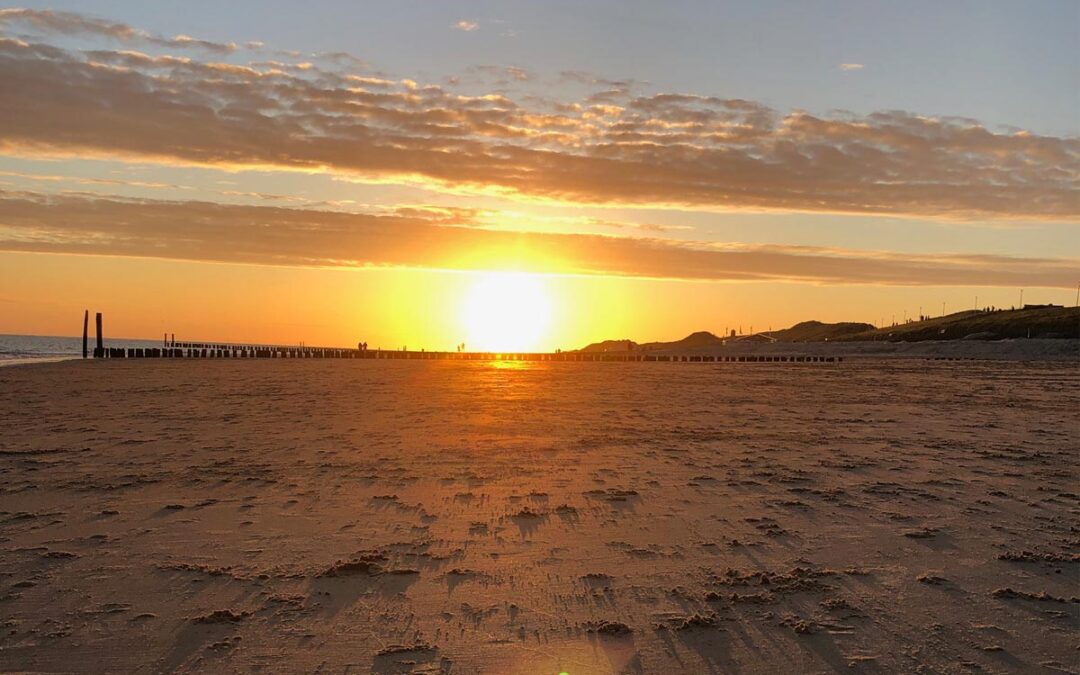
{"points": [[32, 360]]}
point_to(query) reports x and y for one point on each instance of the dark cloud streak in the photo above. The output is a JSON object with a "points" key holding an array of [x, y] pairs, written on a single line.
{"points": [[442, 239]]}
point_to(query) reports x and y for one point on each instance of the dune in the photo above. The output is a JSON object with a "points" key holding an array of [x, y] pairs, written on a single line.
{"points": [[1031, 322]]}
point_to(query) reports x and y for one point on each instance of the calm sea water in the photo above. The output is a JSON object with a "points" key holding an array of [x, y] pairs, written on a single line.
{"points": [[24, 348]]}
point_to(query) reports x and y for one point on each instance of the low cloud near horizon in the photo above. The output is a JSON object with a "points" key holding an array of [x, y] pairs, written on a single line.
{"points": [[610, 147], [447, 239]]}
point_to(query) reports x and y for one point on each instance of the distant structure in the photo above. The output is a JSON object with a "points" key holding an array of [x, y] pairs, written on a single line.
{"points": [[756, 338]]}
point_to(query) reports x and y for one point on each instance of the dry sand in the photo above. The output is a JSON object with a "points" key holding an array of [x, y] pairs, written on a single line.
{"points": [[438, 517]]}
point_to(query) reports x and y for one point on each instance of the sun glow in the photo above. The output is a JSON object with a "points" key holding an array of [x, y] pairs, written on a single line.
{"points": [[506, 312]]}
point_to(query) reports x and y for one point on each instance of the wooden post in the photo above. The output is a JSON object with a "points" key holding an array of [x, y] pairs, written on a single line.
{"points": [[85, 329], [100, 341]]}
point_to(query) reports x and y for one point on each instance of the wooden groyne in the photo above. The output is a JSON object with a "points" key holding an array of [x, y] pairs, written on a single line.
{"points": [[195, 350], [171, 349]]}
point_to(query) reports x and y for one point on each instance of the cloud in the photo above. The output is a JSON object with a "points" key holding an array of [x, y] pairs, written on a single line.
{"points": [[49, 21], [503, 75], [614, 146], [646, 227], [467, 26], [851, 66], [186, 41], [53, 178], [341, 58], [69, 23], [435, 237]]}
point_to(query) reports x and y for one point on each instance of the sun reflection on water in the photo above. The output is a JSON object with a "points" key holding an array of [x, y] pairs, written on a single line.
{"points": [[507, 364]]}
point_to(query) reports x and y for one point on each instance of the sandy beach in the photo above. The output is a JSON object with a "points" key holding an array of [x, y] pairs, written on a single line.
{"points": [[456, 517]]}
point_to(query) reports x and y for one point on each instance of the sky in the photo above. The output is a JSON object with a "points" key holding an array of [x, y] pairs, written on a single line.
{"points": [[531, 175]]}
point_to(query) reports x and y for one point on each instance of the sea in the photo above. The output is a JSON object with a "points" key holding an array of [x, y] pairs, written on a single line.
{"points": [[19, 349]]}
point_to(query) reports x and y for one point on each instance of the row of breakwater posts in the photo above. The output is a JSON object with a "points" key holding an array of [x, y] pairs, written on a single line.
{"points": [[223, 351], [201, 350]]}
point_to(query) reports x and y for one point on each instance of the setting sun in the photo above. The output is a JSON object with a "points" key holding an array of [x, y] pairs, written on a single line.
{"points": [[506, 312]]}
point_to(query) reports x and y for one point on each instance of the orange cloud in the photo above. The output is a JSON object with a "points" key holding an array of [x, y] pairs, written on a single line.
{"points": [[442, 238]]}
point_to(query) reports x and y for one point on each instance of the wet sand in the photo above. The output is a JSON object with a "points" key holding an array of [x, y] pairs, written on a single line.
{"points": [[448, 517]]}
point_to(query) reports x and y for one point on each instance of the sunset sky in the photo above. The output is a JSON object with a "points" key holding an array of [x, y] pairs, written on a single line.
{"points": [[422, 173]]}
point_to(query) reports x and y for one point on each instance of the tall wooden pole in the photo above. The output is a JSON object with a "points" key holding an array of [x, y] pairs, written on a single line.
{"points": [[85, 329], [100, 341]]}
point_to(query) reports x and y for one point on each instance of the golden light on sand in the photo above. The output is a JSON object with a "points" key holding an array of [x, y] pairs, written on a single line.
{"points": [[506, 312]]}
